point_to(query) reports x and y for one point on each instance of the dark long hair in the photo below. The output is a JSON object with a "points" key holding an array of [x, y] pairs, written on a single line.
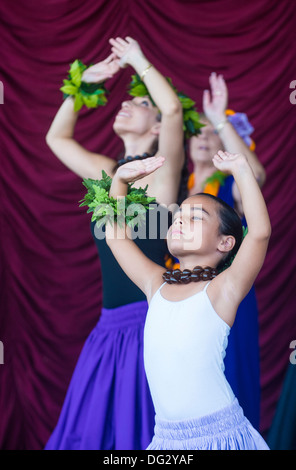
{"points": [[230, 224], [183, 185]]}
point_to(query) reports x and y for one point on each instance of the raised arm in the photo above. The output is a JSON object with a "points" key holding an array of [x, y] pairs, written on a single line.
{"points": [[236, 281], [146, 274], [171, 135], [60, 138], [214, 106]]}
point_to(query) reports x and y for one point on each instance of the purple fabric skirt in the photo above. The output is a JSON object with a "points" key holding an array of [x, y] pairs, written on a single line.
{"points": [[108, 404], [226, 429]]}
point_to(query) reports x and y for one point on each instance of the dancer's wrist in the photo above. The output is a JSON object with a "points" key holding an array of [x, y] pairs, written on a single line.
{"points": [[241, 168], [91, 95], [141, 66], [118, 187]]}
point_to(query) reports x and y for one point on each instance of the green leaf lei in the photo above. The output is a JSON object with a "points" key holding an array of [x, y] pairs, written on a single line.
{"points": [[216, 176], [91, 95], [191, 123], [108, 209]]}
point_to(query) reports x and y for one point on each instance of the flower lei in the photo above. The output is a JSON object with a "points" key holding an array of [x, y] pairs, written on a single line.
{"points": [[108, 209], [242, 126], [91, 95], [212, 184], [191, 123]]}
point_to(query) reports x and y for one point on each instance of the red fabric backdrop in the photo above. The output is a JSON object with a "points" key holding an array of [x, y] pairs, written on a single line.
{"points": [[50, 272]]}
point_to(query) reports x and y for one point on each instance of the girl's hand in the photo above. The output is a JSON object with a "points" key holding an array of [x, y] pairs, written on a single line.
{"points": [[126, 50], [214, 108], [137, 169], [102, 70], [229, 162]]}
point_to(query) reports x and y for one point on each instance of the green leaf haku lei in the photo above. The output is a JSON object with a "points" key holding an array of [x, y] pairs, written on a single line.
{"points": [[91, 95], [107, 209], [217, 176], [191, 123]]}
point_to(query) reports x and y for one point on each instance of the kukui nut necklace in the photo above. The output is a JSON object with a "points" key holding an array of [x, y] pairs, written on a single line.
{"points": [[176, 276], [131, 159]]}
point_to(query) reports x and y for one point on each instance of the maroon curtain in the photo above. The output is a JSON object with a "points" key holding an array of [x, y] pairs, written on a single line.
{"points": [[50, 272]]}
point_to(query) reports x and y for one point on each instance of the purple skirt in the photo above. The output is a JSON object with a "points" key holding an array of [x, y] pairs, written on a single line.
{"points": [[108, 404], [226, 429]]}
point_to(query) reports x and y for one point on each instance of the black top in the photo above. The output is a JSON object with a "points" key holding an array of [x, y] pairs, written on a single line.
{"points": [[118, 289]]}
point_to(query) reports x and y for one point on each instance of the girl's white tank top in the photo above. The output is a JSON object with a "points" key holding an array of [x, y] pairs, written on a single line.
{"points": [[184, 350]]}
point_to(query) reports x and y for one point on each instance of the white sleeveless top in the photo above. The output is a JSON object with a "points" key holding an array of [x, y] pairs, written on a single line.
{"points": [[184, 349]]}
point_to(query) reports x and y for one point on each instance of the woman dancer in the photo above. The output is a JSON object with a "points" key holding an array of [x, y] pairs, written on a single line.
{"points": [[231, 133], [188, 321], [222, 129], [108, 403]]}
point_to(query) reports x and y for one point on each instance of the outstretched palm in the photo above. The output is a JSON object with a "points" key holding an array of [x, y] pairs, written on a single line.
{"points": [[102, 70], [214, 106], [125, 49], [135, 170], [225, 161]]}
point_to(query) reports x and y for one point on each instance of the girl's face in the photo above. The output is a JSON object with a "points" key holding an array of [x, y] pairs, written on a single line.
{"points": [[204, 146], [137, 116], [195, 228]]}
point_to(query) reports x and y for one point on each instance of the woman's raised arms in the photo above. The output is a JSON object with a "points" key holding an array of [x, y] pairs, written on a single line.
{"points": [[60, 138]]}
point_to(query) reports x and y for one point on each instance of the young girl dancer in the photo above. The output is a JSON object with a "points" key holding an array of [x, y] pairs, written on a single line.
{"points": [[188, 320], [108, 404], [231, 133]]}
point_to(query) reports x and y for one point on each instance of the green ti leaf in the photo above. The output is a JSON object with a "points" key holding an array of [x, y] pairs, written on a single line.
{"points": [[217, 176], [78, 102], [76, 70]]}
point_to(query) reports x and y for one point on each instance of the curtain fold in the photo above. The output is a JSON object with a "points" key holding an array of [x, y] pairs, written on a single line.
{"points": [[50, 273]]}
